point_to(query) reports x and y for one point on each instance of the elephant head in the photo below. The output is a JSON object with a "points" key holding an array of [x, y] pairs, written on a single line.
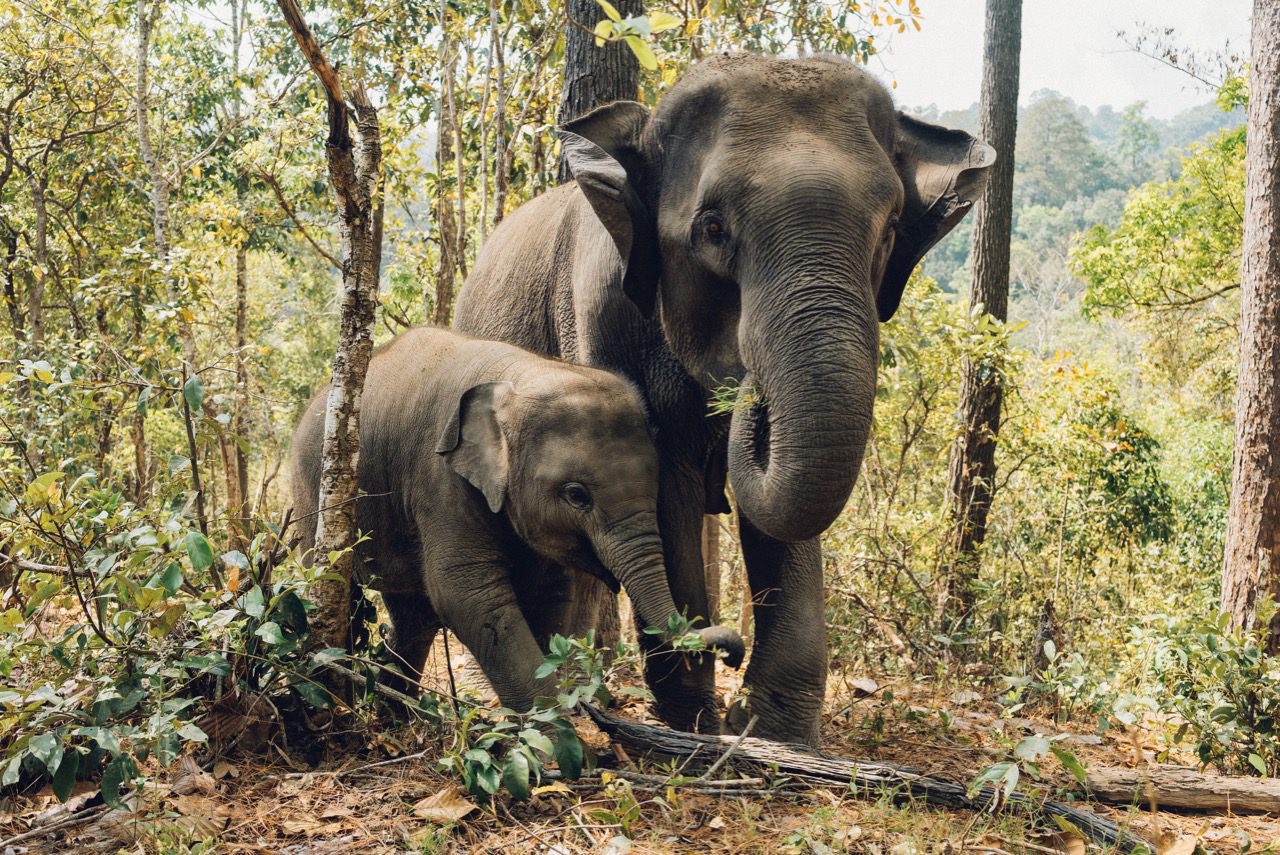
{"points": [[566, 455], [771, 211]]}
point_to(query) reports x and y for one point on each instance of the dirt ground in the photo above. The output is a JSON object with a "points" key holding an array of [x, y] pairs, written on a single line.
{"points": [[385, 793]]}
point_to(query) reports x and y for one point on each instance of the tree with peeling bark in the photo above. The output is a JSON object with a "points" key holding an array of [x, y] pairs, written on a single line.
{"points": [[973, 465], [354, 173], [1251, 566]]}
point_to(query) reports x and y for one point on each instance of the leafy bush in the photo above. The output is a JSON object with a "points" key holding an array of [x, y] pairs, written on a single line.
{"points": [[1226, 690]]}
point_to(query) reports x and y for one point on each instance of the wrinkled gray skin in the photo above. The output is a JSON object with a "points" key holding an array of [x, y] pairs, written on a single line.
{"points": [[492, 477], [756, 227]]}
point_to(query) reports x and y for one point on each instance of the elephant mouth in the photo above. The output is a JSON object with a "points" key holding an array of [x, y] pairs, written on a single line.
{"points": [[594, 567]]}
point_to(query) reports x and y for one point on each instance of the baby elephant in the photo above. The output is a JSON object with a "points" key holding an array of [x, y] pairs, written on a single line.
{"points": [[490, 476]]}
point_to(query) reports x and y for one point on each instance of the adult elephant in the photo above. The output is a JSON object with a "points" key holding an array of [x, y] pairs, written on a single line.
{"points": [[750, 232]]}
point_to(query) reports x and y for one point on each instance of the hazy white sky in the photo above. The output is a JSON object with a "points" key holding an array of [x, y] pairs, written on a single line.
{"points": [[1067, 45]]}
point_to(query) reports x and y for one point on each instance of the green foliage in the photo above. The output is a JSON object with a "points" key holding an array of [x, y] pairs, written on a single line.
{"points": [[1224, 688]]}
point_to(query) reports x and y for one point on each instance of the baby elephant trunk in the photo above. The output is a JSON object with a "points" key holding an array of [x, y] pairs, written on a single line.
{"points": [[637, 563]]}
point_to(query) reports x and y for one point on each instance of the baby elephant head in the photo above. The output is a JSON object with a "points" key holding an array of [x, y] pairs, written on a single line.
{"points": [[566, 455]]}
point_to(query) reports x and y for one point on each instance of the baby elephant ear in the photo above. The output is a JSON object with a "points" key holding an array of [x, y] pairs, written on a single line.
{"points": [[943, 173], [473, 443], [602, 151]]}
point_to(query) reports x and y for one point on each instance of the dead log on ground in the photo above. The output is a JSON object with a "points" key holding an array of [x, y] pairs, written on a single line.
{"points": [[1180, 787], [775, 760]]}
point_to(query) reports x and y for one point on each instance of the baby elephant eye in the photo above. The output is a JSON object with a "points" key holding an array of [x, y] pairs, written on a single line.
{"points": [[576, 495], [713, 228]]}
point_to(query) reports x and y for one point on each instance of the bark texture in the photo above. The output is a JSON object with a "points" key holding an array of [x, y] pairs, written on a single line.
{"points": [[594, 76], [1251, 565], [354, 171], [971, 479], [1183, 788]]}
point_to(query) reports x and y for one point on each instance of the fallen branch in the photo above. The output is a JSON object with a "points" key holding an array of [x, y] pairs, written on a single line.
{"points": [[798, 762], [1180, 787]]}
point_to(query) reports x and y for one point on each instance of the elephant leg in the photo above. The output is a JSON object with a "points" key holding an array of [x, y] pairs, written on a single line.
{"points": [[547, 599], [413, 627], [787, 674], [684, 687], [476, 601]]}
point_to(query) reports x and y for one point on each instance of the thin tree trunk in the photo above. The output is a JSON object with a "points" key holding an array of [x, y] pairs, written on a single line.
{"points": [[238, 475], [354, 173], [711, 563], [445, 212], [16, 318], [1251, 565], [40, 250], [500, 178], [595, 76], [147, 16], [973, 465]]}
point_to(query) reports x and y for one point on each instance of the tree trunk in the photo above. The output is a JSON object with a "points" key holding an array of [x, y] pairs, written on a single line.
{"points": [[40, 244], [1251, 565], [973, 467], [147, 15], [711, 564], [238, 474], [445, 212], [595, 76], [354, 173]]}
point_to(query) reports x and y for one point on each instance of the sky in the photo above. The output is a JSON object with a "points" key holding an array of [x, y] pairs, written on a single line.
{"points": [[1067, 45]]}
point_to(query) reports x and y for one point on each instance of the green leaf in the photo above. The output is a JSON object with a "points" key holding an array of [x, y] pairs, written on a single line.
{"points": [[1070, 762], [254, 604], [192, 733], [313, 693], [515, 774], [1031, 748], [604, 31], [270, 633], [11, 771], [609, 10], [199, 551], [47, 748], [41, 490], [535, 739], [66, 777], [488, 780], [546, 669], [643, 53], [119, 771], [171, 579], [660, 22], [1258, 763], [193, 393], [568, 751]]}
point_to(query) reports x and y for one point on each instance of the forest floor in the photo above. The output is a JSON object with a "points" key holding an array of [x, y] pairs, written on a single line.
{"points": [[385, 793]]}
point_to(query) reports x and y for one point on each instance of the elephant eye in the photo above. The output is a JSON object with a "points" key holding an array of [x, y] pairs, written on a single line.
{"points": [[712, 227], [576, 495]]}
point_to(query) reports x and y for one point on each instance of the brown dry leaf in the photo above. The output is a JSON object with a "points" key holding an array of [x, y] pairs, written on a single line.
{"points": [[223, 769], [447, 805], [193, 779], [717, 822], [311, 827], [336, 812], [1170, 842]]}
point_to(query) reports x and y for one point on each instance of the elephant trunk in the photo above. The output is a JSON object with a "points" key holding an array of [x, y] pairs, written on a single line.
{"points": [[637, 563], [804, 411]]}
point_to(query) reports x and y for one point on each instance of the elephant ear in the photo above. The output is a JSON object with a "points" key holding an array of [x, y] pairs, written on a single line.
{"points": [[602, 151], [474, 445], [943, 173]]}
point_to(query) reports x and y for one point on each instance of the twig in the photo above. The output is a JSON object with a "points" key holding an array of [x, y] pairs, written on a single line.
{"points": [[37, 567], [75, 819], [724, 758]]}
